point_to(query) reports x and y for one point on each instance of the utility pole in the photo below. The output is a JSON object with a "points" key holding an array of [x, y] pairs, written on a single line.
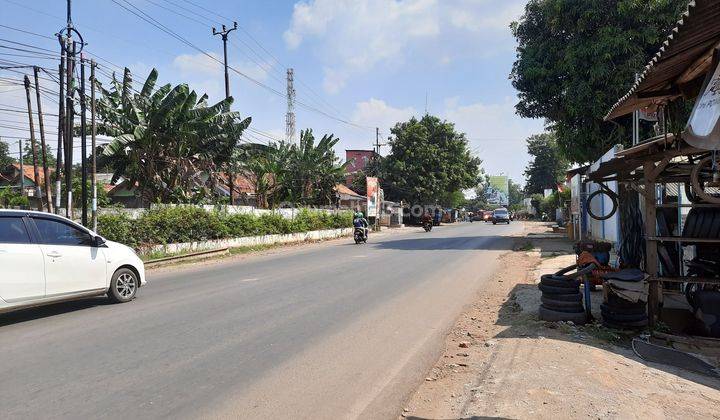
{"points": [[377, 140], [22, 169], [61, 123], [290, 116], [93, 148], [224, 35], [36, 172], [69, 129], [43, 146], [83, 144]]}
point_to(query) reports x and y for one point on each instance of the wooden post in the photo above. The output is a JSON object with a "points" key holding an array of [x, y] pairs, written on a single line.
{"points": [[651, 255], [36, 173], [43, 147]]}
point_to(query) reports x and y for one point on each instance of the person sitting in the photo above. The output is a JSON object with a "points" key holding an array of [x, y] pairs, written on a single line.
{"points": [[359, 221]]}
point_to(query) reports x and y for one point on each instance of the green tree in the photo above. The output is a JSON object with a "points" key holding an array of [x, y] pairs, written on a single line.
{"points": [[167, 141], [547, 166], [575, 58], [429, 161], [516, 194], [5, 158], [28, 157]]}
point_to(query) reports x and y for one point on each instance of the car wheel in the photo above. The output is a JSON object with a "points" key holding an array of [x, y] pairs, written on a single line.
{"points": [[494, 223], [123, 286]]}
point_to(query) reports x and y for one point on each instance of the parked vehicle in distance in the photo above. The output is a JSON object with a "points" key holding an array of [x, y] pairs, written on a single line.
{"points": [[487, 215], [500, 215], [47, 258]]}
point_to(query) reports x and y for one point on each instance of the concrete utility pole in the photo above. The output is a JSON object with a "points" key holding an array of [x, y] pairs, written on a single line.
{"points": [[36, 172], [93, 148], [43, 146], [290, 116], [22, 169], [69, 129], [224, 34], [83, 145], [61, 124]]}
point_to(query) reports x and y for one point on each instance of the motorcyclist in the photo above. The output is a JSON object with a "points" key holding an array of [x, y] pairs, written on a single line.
{"points": [[427, 217], [359, 221]]}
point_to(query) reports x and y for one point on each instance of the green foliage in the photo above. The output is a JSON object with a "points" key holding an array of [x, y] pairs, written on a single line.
{"points": [[188, 224], [304, 173], [28, 158], [547, 166], [10, 198], [428, 160], [5, 158], [575, 58], [168, 140], [516, 194]]}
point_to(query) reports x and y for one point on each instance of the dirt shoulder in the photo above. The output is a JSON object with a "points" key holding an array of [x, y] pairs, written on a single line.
{"points": [[500, 361]]}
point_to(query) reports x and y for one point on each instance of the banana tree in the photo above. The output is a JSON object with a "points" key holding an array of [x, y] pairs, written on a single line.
{"points": [[167, 141]]}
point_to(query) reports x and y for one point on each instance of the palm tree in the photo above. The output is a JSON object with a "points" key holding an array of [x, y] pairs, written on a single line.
{"points": [[167, 141]]}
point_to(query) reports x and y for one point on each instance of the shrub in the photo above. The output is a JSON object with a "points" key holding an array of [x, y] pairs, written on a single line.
{"points": [[189, 224], [118, 228]]}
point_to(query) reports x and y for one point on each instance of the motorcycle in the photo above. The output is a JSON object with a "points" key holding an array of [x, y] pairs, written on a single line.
{"points": [[360, 235], [427, 225]]}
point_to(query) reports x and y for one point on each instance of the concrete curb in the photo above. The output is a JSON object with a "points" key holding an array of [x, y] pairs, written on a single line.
{"points": [[248, 241]]}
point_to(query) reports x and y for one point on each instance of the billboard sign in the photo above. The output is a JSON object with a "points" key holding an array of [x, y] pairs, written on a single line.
{"points": [[372, 196], [498, 190]]}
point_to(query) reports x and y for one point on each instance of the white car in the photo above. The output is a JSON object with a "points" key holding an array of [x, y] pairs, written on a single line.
{"points": [[45, 258]]}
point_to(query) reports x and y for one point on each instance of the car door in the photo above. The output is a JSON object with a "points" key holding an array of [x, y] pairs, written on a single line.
{"points": [[22, 272], [72, 263]]}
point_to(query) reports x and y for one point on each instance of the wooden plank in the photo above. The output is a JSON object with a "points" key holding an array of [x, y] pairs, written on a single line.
{"points": [[651, 255], [704, 280], [682, 239]]}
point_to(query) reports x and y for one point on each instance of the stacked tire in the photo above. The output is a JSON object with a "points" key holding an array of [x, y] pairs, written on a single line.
{"points": [[561, 299], [620, 313]]}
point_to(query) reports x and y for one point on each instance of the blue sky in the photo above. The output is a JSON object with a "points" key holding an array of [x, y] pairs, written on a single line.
{"points": [[369, 62]]}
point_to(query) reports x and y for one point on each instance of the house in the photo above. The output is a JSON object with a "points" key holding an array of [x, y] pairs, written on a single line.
{"points": [[357, 159], [10, 177], [348, 198]]}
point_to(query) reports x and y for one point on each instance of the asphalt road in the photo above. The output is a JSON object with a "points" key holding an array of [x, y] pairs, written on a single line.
{"points": [[332, 330]]}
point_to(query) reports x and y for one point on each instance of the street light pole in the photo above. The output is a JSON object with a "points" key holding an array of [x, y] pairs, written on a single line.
{"points": [[224, 35]]}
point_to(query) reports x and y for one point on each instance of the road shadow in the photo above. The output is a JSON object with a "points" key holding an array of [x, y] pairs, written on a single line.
{"points": [[459, 243], [39, 312], [524, 324]]}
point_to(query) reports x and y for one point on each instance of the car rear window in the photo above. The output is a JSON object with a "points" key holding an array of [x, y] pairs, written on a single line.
{"points": [[501, 212], [12, 231]]}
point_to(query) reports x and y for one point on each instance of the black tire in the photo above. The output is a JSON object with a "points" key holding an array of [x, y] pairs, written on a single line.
{"points": [[548, 301], [552, 290], [613, 200], [494, 223], [550, 315], [123, 286], [690, 222], [616, 302], [612, 310], [561, 305], [623, 318], [571, 297], [550, 280]]}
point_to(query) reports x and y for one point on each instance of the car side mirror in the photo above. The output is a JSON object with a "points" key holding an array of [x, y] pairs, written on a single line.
{"points": [[98, 241]]}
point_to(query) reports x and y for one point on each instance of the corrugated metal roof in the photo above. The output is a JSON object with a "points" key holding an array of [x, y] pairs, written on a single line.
{"points": [[695, 34]]}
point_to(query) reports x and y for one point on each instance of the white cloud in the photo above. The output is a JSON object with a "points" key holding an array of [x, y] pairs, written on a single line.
{"points": [[375, 112], [495, 133], [354, 36]]}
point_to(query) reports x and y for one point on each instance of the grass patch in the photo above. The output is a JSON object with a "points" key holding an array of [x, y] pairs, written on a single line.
{"points": [[525, 246]]}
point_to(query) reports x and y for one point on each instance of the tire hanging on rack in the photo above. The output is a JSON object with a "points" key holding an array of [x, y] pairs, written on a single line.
{"points": [[613, 198], [695, 180]]}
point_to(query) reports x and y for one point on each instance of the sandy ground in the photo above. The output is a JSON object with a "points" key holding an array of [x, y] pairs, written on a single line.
{"points": [[501, 362]]}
